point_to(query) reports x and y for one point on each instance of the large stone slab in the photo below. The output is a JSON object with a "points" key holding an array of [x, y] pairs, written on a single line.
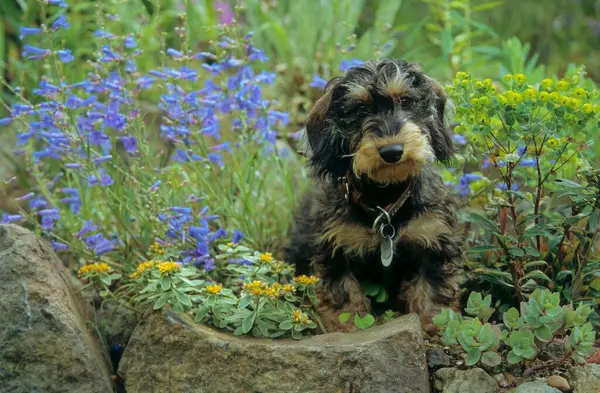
{"points": [[170, 353], [45, 344]]}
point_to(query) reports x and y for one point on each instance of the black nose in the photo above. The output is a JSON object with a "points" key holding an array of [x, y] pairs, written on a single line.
{"points": [[391, 153]]}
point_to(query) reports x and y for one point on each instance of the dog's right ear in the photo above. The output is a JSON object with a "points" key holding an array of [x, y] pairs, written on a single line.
{"points": [[315, 122]]}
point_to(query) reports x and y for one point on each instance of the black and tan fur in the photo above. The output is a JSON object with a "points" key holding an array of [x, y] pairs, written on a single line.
{"points": [[373, 105]]}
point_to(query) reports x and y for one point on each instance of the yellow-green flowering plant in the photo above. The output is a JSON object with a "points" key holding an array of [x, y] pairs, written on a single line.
{"points": [[532, 177]]}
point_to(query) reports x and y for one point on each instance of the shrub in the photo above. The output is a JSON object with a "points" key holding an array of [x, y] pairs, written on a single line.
{"points": [[532, 181], [145, 204], [540, 321]]}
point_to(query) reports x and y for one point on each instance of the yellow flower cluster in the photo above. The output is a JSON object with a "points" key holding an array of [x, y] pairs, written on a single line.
{"points": [[142, 267], [157, 248], [266, 257], [214, 288], [99, 268], [561, 93], [259, 288], [306, 280], [168, 267], [300, 317]]}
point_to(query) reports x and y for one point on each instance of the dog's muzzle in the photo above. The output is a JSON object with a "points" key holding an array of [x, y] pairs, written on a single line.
{"points": [[391, 153]]}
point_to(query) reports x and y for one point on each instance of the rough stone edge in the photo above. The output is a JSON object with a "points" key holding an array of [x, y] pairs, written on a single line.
{"points": [[410, 323], [81, 310]]}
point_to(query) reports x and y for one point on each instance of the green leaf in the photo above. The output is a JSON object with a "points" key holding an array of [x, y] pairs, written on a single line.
{"points": [[182, 297], [202, 312], [511, 358], [286, 325], [344, 317], [529, 353], [161, 301], [370, 289], [165, 283], [106, 280], [512, 318], [364, 322], [245, 301], [516, 252], [248, 322], [491, 359], [473, 356], [543, 333], [382, 297], [536, 275]]}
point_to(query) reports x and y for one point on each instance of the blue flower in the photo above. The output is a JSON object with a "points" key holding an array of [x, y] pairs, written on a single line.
{"points": [[60, 23], [34, 53], [103, 34], [130, 66], [155, 185], [129, 42], [521, 150], [99, 244], [26, 197], [60, 3], [347, 64], [175, 53], [530, 162], [25, 31], [318, 82], [459, 139], [129, 143], [237, 237], [65, 55], [504, 187], [88, 226], [57, 246], [10, 218], [5, 121]]}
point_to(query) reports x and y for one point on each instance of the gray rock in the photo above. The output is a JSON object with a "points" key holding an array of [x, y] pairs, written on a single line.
{"points": [[555, 350], [535, 387], [437, 358], [170, 353], [475, 380], [45, 345], [585, 379]]}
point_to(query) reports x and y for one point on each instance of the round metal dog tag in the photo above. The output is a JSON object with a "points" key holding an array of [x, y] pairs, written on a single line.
{"points": [[387, 251]]}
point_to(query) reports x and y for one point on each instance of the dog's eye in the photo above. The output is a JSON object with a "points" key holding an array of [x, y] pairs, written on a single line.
{"points": [[406, 102]]}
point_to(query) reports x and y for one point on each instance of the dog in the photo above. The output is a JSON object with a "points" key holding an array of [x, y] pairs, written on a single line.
{"points": [[379, 211]]}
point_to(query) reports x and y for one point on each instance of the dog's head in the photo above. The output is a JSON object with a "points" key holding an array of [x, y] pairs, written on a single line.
{"points": [[383, 120]]}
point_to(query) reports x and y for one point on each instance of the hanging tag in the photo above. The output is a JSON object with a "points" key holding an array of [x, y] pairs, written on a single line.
{"points": [[386, 231], [387, 251]]}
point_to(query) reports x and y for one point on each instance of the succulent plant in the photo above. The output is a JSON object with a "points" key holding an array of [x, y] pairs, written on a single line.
{"points": [[576, 317], [581, 342], [480, 307], [543, 314], [445, 316], [479, 341], [522, 346], [512, 319]]}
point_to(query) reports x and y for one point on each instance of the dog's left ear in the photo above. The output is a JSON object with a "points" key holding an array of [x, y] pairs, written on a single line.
{"points": [[441, 134], [315, 122]]}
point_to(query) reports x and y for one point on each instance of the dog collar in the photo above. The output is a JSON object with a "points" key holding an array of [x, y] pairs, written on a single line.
{"points": [[382, 222], [351, 194]]}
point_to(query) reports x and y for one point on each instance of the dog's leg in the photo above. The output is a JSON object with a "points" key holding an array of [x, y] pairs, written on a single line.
{"points": [[341, 295], [426, 298]]}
